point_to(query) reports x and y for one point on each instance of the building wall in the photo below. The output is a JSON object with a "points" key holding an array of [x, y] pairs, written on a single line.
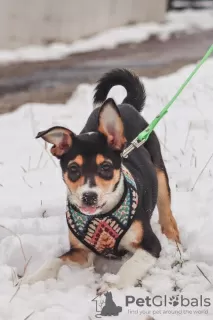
{"points": [[24, 22]]}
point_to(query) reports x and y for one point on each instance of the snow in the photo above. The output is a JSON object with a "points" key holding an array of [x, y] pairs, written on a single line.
{"points": [[189, 21], [33, 198]]}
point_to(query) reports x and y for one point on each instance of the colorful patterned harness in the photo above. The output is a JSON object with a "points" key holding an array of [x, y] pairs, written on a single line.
{"points": [[102, 233]]}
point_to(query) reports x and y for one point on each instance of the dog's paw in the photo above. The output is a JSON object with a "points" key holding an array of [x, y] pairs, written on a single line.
{"points": [[49, 270], [103, 288], [28, 280], [109, 281], [121, 284], [40, 275], [170, 229]]}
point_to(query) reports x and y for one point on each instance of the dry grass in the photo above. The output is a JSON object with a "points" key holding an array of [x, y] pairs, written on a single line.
{"points": [[200, 174]]}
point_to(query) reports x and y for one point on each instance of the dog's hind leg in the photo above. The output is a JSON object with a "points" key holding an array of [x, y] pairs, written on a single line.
{"points": [[166, 218]]}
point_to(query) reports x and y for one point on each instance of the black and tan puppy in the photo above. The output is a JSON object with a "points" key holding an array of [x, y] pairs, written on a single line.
{"points": [[110, 200]]}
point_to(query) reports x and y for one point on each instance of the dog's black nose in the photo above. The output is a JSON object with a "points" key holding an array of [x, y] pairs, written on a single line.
{"points": [[90, 198]]}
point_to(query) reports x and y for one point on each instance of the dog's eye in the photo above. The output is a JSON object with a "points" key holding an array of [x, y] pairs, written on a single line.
{"points": [[105, 170], [106, 166], [74, 172]]}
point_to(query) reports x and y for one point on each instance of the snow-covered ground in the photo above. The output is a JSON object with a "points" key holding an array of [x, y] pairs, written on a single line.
{"points": [[188, 21], [32, 202]]}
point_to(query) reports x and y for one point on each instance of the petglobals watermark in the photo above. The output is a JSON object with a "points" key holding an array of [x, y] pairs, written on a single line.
{"points": [[108, 305], [159, 301], [176, 304]]}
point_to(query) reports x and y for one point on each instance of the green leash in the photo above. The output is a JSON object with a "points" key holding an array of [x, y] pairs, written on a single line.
{"points": [[144, 135]]}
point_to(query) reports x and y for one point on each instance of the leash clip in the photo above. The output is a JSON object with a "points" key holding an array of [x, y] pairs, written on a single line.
{"points": [[135, 144]]}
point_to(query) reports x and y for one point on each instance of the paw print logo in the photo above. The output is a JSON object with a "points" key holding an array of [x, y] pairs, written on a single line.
{"points": [[174, 301]]}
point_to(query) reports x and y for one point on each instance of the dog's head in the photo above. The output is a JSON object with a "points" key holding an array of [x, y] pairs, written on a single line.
{"points": [[91, 162]]}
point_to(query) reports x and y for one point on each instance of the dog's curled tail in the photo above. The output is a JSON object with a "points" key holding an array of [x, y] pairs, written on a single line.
{"points": [[136, 95]]}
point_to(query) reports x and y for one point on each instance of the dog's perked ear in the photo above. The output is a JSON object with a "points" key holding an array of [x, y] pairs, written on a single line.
{"points": [[111, 125], [60, 137]]}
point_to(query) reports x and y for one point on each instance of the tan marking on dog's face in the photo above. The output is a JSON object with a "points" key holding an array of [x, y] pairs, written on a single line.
{"points": [[95, 174], [106, 185], [73, 186], [99, 159], [79, 160]]}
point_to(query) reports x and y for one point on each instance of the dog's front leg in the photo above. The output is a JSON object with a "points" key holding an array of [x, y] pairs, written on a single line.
{"points": [[130, 272], [143, 259], [51, 268], [135, 268]]}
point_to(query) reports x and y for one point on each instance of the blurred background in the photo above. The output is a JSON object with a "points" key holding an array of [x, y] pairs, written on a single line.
{"points": [[48, 47]]}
